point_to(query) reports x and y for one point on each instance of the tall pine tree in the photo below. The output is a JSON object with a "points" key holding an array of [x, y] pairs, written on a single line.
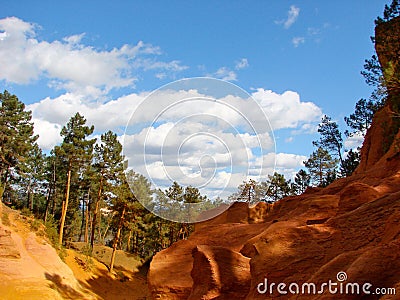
{"points": [[75, 152], [108, 166], [16, 137]]}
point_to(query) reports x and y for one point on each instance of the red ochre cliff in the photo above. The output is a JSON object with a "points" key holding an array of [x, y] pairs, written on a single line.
{"points": [[351, 226]]}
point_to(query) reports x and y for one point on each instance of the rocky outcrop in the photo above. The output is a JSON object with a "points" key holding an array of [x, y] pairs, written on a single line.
{"points": [[351, 226]]}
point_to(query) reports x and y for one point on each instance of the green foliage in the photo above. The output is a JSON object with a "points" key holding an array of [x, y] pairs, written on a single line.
{"points": [[16, 137], [321, 167], [273, 189], [278, 187], [373, 73], [350, 163], [26, 212], [301, 181], [175, 192], [51, 230], [247, 192], [390, 12], [108, 167], [75, 156], [36, 224], [330, 137], [192, 195], [87, 263], [361, 119]]}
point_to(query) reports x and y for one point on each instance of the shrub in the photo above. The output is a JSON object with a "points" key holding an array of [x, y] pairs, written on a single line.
{"points": [[26, 212]]}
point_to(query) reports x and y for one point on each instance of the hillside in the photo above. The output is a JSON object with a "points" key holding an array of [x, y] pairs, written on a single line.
{"points": [[351, 226], [30, 268]]}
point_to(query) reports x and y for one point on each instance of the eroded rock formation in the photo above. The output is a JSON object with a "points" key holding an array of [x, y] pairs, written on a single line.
{"points": [[352, 226]]}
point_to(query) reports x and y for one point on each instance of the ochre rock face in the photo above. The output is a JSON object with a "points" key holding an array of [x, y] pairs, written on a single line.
{"points": [[351, 226]]}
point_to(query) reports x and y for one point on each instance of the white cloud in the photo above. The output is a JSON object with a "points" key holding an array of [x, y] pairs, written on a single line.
{"points": [[293, 14], [152, 64], [74, 39], [286, 110], [292, 161], [49, 133], [225, 73], [241, 64], [282, 110], [283, 163], [354, 141], [192, 139], [296, 41], [307, 128], [68, 64], [161, 76]]}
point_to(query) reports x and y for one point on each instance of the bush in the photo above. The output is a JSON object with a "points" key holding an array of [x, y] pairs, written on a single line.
{"points": [[26, 212], [51, 230], [36, 224]]}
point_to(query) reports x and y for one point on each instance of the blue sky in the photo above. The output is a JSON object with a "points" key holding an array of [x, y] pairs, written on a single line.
{"points": [[93, 55]]}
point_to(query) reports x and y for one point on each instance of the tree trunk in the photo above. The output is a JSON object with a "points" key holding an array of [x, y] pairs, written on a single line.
{"points": [[64, 208], [103, 236], [53, 200], [128, 246], [121, 221], [340, 155], [29, 198], [171, 234], [48, 197], [3, 183], [81, 232], [2, 188], [86, 236], [96, 210]]}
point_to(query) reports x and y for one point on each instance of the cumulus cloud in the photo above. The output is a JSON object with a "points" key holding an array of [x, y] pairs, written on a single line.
{"points": [[188, 135], [286, 110], [49, 133], [282, 111], [293, 14], [71, 65]]}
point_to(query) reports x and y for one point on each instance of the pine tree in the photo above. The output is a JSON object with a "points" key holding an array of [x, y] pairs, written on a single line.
{"points": [[32, 175], [278, 187], [16, 137], [51, 179], [390, 12], [301, 181], [140, 231], [350, 163], [247, 192], [175, 192], [122, 204], [321, 166], [331, 138], [108, 167], [75, 153], [361, 119]]}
